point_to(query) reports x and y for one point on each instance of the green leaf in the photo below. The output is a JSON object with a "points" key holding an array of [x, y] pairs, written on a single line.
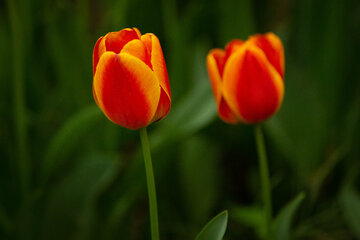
{"points": [[195, 110], [252, 216], [68, 137], [70, 206], [199, 187], [198, 109], [281, 226], [215, 229], [350, 203]]}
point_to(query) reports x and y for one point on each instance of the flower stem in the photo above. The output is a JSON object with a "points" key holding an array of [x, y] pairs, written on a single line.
{"points": [[265, 179], [150, 184]]}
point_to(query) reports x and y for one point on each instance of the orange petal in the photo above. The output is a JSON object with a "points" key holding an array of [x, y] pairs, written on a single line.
{"points": [[137, 49], [99, 49], [95, 97], [273, 49], [214, 62], [157, 60], [163, 106], [137, 32], [252, 87], [126, 90], [115, 41]]}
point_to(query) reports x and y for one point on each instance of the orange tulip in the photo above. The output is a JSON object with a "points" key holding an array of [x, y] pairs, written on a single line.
{"points": [[130, 80], [247, 78]]}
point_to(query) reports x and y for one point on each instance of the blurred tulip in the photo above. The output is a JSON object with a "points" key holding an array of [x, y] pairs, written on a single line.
{"points": [[130, 80], [248, 78]]}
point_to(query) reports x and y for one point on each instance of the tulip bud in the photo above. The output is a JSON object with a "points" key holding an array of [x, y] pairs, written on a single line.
{"points": [[130, 80], [247, 78]]}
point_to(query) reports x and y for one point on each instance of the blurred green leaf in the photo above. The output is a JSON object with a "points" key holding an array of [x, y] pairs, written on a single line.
{"points": [[199, 187], [314, 82], [195, 110], [252, 216], [118, 214], [67, 138], [215, 229], [69, 208], [5, 222], [350, 203], [297, 128], [346, 140], [19, 52], [282, 223]]}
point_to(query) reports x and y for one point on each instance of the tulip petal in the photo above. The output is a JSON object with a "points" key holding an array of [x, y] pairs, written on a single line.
{"points": [[252, 87], [137, 49], [126, 90], [137, 32], [273, 49], [226, 113], [163, 107], [214, 63], [99, 49], [115, 41], [159, 67], [157, 60], [231, 47], [95, 97]]}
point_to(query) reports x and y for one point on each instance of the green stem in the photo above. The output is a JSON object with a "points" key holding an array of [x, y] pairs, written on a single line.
{"points": [[264, 174], [150, 184]]}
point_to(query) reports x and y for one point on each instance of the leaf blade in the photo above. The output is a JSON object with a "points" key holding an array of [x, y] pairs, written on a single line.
{"points": [[350, 203], [215, 229], [281, 225]]}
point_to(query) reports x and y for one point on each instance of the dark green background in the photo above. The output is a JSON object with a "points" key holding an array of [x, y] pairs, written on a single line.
{"points": [[66, 172]]}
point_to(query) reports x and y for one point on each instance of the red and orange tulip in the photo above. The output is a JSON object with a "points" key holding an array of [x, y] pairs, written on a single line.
{"points": [[248, 78], [130, 80]]}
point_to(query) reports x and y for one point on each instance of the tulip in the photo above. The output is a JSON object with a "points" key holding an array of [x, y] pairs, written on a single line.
{"points": [[130, 80], [247, 78]]}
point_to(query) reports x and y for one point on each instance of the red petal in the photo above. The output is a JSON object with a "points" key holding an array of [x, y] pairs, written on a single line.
{"points": [[157, 60], [273, 49], [231, 47], [163, 107], [126, 90], [225, 112], [219, 57], [214, 60], [98, 51], [252, 87], [115, 41]]}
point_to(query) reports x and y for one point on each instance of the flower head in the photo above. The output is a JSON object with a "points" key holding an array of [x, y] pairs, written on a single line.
{"points": [[130, 80], [247, 78]]}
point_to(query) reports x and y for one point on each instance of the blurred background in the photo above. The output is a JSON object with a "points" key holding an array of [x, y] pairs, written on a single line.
{"points": [[66, 172]]}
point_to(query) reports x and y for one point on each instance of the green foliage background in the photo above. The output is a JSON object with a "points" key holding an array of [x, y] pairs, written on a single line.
{"points": [[66, 172]]}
